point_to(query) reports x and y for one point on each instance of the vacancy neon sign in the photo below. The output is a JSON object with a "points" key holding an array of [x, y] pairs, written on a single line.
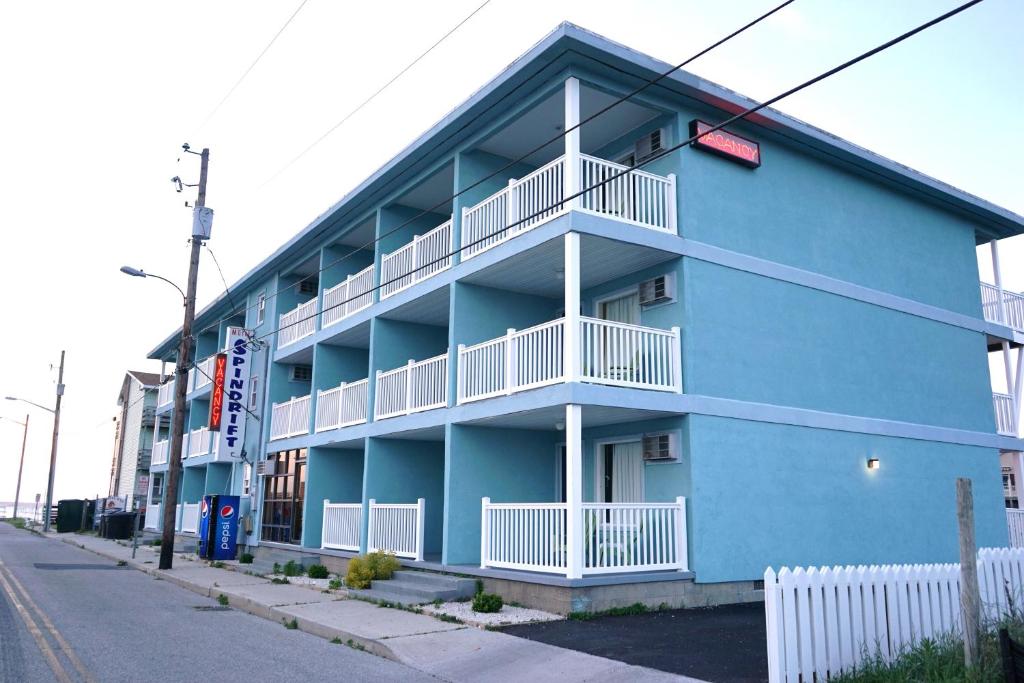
{"points": [[728, 145], [220, 366]]}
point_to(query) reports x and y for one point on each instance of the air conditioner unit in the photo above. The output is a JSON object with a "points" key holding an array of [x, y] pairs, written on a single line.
{"points": [[648, 145], [309, 286], [660, 447], [657, 290], [266, 468], [300, 373]]}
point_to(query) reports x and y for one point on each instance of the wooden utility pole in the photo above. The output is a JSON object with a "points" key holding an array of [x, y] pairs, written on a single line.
{"points": [[970, 597], [53, 445], [21, 464], [181, 381]]}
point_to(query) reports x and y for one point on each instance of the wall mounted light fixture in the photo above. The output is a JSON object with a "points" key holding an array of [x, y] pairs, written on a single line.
{"points": [[873, 463]]}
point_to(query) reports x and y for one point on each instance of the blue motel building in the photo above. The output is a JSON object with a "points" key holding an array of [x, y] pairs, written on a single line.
{"points": [[503, 356]]}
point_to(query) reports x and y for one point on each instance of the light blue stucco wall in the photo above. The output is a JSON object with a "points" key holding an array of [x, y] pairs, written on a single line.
{"points": [[333, 474]]}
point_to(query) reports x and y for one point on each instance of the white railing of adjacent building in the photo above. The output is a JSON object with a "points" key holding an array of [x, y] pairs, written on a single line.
{"points": [[342, 524], [609, 353], [1012, 305], [397, 528], [153, 517], [296, 324], [617, 537], [1006, 422], [1015, 527], [165, 394], [347, 297], [190, 518], [290, 418], [202, 374], [199, 443], [639, 197], [161, 451], [411, 388], [177, 517], [342, 406], [822, 622], [424, 257]]}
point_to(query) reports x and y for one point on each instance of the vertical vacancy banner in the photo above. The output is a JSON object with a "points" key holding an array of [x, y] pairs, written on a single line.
{"points": [[236, 382], [217, 395]]}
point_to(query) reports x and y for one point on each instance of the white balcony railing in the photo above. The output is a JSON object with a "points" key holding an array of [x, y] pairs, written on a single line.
{"points": [[347, 297], [190, 518], [609, 353], [297, 323], [1015, 526], [165, 394], [161, 451], [342, 406], [1006, 421], [153, 516], [199, 443], [424, 257], [1012, 305], [202, 374], [342, 524], [638, 197], [617, 537], [290, 418], [397, 528], [414, 387]]}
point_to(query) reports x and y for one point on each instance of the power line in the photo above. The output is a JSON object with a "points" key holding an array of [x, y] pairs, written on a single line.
{"points": [[628, 169], [232, 89], [373, 96], [647, 84]]}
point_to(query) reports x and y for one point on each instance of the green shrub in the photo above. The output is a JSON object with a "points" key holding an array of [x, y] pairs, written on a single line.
{"points": [[246, 558], [382, 564], [293, 568], [291, 625], [334, 584], [277, 568], [317, 571], [279, 580], [222, 599], [158, 542], [217, 564], [487, 602], [359, 574]]}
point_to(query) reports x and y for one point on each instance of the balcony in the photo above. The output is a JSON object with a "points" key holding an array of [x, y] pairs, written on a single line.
{"points": [[342, 406], [609, 353], [161, 451], [296, 324], [153, 517], [424, 257], [290, 418], [350, 296], [1002, 307], [1015, 525], [637, 197], [202, 374], [342, 526], [197, 442], [412, 388], [1006, 419], [165, 394]]}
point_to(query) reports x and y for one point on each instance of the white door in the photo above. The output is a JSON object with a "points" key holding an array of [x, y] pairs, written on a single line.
{"points": [[623, 473]]}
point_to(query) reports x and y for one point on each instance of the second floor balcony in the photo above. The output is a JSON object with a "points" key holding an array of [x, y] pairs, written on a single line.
{"points": [[1001, 306], [1006, 419]]}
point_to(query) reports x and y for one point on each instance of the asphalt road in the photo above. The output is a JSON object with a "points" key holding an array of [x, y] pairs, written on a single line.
{"points": [[69, 615]]}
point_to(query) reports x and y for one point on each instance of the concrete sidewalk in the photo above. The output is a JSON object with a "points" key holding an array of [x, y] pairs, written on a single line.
{"points": [[450, 651]]}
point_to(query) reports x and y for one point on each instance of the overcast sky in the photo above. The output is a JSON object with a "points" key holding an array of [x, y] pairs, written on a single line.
{"points": [[99, 96]]}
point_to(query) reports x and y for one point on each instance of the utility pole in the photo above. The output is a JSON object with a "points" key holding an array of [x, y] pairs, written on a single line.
{"points": [[181, 375], [21, 464], [53, 445]]}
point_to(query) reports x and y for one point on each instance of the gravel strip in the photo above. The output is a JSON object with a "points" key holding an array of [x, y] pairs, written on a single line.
{"points": [[463, 611]]}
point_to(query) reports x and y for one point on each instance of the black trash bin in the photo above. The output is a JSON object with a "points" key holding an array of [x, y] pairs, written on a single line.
{"points": [[117, 525], [69, 515]]}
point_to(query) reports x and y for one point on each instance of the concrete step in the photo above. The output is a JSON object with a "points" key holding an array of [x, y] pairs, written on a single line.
{"points": [[418, 588], [462, 587]]}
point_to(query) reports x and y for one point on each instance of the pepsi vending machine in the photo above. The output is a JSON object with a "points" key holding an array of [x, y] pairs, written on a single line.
{"points": [[218, 527]]}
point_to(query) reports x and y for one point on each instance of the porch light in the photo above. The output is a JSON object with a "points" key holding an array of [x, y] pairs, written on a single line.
{"points": [[560, 426], [873, 463]]}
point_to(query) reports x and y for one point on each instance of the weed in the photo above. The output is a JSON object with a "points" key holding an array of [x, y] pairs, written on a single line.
{"points": [[279, 580], [317, 571], [17, 522], [245, 558], [336, 640], [293, 568], [122, 563], [157, 542], [447, 617], [277, 568], [222, 599], [628, 610], [334, 584], [354, 645], [217, 564], [487, 603], [291, 625]]}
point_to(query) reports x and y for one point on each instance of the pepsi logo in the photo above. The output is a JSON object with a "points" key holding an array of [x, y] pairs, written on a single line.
{"points": [[226, 511], [205, 509]]}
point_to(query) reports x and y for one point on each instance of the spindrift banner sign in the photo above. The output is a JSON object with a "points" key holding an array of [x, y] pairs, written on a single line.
{"points": [[236, 387]]}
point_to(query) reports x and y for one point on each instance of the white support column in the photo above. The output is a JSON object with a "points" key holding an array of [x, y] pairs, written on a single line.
{"points": [[1011, 386], [574, 490], [571, 334], [997, 273], [1018, 390], [421, 526], [571, 173], [485, 533]]}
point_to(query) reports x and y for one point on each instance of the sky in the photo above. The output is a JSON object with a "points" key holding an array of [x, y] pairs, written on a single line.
{"points": [[98, 98]]}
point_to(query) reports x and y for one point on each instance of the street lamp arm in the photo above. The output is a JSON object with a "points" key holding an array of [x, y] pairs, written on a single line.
{"points": [[158, 277], [138, 272], [31, 403]]}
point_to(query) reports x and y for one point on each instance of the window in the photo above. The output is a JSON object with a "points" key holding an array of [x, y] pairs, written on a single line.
{"points": [[254, 394], [158, 489], [261, 309], [283, 496]]}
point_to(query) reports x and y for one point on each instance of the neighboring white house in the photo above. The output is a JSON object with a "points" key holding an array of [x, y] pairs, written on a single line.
{"points": [[133, 434]]}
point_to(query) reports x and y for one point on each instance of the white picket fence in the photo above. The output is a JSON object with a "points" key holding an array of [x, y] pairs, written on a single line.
{"points": [[397, 528], [1006, 422], [347, 297], [411, 388], [297, 323], [342, 523], [190, 518], [153, 516], [342, 406], [290, 418], [425, 256], [821, 622], [1015, 527], [1012, 304]]}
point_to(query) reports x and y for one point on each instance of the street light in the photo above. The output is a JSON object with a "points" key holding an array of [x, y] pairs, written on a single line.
{"points": [[138, 272], [21, 462]]}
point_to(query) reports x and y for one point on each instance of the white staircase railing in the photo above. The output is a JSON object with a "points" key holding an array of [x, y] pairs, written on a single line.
{"points": [[342, 406], [1012, 305], [424, 257], [342, 524], [190, 518], [347, 297], [153, 516], [397, 528], [297, 323], [1015, 526], [290, 418], [1006, 422], [161, 451], [411, 388]]}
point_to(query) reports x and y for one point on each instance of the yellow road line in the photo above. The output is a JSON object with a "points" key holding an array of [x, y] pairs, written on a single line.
{"points": [[51, 658], [64, 645]]}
